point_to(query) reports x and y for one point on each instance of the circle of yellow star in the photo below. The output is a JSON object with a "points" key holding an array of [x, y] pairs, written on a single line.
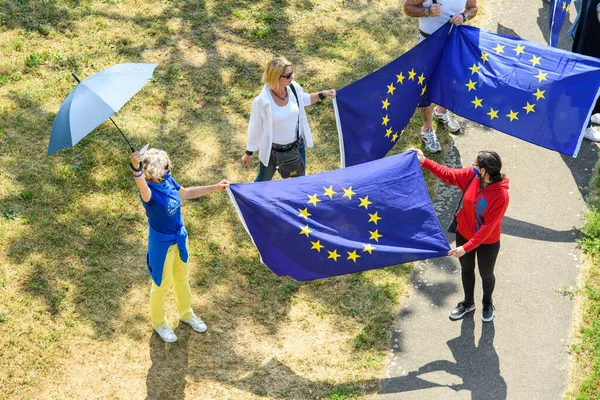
{"points": [[484, 57], [348, 193], [385, 120], [474, 69], [535, 61], [374, 217], [313, 199], [512, 115], [364, 202], [305, 230], [388, 132], [386, 104], [477, 102], [520, 49], [368, 248], [529, 108], [329, 192], [411, 74], [375, 235], [304, 213], [391, 88], [493, 113], [542, 76], [400, 78], [539, 94], [333, 254], [395, 137], [421, 78], [470, 85], [317, 246], [352, 255]]}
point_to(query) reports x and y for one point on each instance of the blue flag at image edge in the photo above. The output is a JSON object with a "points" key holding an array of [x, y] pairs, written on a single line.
{"points": [[530, 91], [372, 112], [344, 221], [559, 11]]}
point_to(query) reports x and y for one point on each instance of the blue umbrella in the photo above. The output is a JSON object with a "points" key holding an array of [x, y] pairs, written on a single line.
{"points": [[96, 99]]}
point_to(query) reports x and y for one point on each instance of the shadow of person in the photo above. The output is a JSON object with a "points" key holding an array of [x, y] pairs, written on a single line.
{"points": [[166, 376], [582, 167], [515, 227]]}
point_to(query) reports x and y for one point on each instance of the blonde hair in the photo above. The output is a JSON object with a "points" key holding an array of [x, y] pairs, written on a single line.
{"points": [[275, 68], [154, 162]]}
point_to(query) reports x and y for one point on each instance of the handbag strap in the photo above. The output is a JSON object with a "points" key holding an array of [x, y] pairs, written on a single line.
{"points": [[297, 101], [463, 195]]}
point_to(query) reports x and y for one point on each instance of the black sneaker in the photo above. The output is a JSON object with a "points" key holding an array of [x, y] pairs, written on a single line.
{"points": [[460, 310], [487, 314]]}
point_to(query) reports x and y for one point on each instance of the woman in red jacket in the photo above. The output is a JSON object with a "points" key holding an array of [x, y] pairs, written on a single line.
{"points": [[485, 201]]}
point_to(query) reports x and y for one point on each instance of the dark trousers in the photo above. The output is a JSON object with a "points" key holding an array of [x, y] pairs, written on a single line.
{"points": [[486, 260]]}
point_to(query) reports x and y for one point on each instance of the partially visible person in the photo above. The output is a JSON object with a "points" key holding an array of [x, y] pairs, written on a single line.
{"points": [[167, 238], [432, 15], [587, 42], [573, 28], [278, 120], [485, 202]]}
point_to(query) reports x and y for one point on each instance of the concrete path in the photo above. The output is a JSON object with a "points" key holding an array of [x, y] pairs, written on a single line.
{"points": [[523, 354]]}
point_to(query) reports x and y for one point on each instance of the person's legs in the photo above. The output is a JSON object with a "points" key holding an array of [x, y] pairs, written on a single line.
{"points": [[428, 136], [158, 294], [467, 271], [486, 260], [265, 173], [302, 151], [427, 116], [181, 286]]}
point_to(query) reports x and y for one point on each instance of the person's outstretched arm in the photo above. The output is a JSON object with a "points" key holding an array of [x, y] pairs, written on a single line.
{"points": [[199, 191]]}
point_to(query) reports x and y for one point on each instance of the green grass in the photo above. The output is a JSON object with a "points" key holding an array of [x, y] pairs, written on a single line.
{"points": [[73, 281]]}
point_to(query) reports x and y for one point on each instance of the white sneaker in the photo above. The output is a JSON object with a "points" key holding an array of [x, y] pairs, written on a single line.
{"points": [[166, 333], [596, 119], [449, 122], [196, 324], [431, 143], [592, 133]]}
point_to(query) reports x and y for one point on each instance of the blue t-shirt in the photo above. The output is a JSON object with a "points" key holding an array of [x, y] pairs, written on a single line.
{"points": [[164, 208]]}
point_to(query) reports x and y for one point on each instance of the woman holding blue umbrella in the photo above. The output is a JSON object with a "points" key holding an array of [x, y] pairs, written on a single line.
{"points": [[167, 238]]}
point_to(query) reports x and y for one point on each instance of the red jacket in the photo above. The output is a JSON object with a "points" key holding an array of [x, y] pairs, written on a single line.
{"points": [[480, 218]]}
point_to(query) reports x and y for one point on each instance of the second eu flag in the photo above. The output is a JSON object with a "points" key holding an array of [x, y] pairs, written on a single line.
{"points": [[344, 221]]}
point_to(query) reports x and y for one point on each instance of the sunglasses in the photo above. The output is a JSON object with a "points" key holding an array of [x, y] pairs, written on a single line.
{"points": [[288, 76]]}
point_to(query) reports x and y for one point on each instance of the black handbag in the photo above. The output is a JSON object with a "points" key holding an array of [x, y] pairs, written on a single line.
{"points": [[454, 224], [289, 162]]}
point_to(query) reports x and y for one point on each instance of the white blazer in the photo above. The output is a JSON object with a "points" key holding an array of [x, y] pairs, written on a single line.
{"points": [[260, 126]]}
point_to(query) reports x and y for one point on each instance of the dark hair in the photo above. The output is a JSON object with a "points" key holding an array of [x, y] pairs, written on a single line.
{"points": [[490, 161]]}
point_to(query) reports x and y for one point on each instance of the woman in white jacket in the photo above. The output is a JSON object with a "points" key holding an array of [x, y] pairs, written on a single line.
{"points": [[278, 120]]}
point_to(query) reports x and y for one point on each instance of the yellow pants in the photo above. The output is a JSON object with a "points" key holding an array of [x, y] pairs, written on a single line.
{"points": [[175, 271]]}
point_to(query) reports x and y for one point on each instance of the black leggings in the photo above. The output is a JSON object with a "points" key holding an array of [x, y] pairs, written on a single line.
{"points": [[486, 259]]}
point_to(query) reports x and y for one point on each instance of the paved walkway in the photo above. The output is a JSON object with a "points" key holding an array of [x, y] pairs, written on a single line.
{"points": [[523, 353]]}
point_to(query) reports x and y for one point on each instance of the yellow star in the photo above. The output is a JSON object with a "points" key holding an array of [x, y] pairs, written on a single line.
{"points": [[421, 78], [542, 76], [512, 115], [475, 68], [317, 246], [313, 199], [386, 103], [385, 120], [364, 202], [374, 218], [520, 49], [499, 49], [394, 137], [535, 61], [493, 113], [348, 193], [411, 74], [565, 7], [423, 90], [368, 248], [477, 102], [484, 56], [402, 133], [529, 108], [329, 192], [400, 78], [352, 256], [388, 131], [539, 94], [305, 230], [375, 235], [391, 88], [470, 85], [333, 254], [304, 213]]}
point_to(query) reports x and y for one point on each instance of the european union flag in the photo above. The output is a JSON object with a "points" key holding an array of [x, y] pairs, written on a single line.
{"points": [[559, 11], [344, 221], [530, 91], [372, 112]]}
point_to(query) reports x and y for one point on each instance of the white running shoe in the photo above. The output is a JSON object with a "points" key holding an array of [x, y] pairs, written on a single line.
{"points": [[596, 119], [196, 324], [431, 143], [165, 333], [592, 133], [449, 122]]}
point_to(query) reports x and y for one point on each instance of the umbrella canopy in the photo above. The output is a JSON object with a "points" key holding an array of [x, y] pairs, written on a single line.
{"points": [[94, 100]]}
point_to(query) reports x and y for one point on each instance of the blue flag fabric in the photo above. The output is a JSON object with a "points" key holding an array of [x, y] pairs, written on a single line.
{"points": [[559, 11], [372, 112], [530, 91], [343, 221]]}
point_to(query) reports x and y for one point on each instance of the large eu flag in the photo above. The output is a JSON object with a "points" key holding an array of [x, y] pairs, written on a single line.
{"points": [[344, 221], [530, 91], [372, 112], [559, 11]]}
